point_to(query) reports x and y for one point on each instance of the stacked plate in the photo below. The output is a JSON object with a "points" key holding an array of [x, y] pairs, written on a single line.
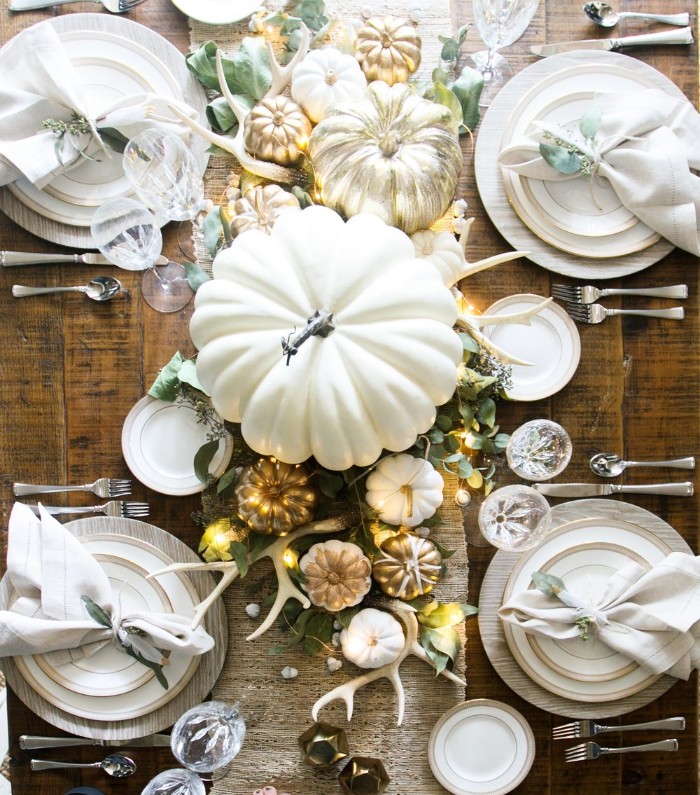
{"points": [[113, 58], [575, 226]]}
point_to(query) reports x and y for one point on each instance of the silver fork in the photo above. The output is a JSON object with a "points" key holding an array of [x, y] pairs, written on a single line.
{"points": [[587, 294], [115, 6], [102, 487], [595, 313], [128, 510], [592, 750], [589, 728]]}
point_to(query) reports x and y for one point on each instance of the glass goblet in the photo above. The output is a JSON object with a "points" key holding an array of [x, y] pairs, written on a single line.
{"points": [[175, 782], [128, 235], [539, 450], [514, 518], [499, 24], [208, 737]]}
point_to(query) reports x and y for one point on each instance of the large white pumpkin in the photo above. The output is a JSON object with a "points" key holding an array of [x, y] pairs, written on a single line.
{"points": [[371, 384]]}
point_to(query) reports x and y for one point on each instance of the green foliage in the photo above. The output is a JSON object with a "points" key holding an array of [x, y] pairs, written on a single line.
{"points": [[247, 73], [203, 458], [438, 635], [167, 384], [196, 275], [213, 230], [467, 88], [565, 155], [547, 583]]}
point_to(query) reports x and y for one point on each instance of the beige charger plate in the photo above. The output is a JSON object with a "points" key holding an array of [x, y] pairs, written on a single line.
{"points": [[491, 626]]}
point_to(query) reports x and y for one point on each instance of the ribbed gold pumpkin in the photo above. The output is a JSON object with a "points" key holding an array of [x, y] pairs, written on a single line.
{"points": [[393, 154], [274, 498], [277, 130], [260, 207], [408, 567], [388, 49]]}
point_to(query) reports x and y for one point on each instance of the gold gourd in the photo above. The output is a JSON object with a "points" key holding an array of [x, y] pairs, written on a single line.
{"points": [[393, 153], [277, 130], [260, 207], [388, 48], [409, 566], [274, 498]]}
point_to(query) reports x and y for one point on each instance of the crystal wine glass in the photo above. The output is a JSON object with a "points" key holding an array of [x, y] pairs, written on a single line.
{"points": [[128, 235], [539, 450], [175, 782], [514, 518], [499, 24]]}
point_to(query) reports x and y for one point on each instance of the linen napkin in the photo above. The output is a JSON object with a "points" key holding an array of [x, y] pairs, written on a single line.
{"points": [[50, 570], [646, 146], [38, 83], [653, 617]]}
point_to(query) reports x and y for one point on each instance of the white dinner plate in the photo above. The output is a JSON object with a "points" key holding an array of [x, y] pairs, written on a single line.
{"points": [[159, 443], [149, 696], [551, 342], [587, 549], [109, 671], [218, 12], [481, 747]]}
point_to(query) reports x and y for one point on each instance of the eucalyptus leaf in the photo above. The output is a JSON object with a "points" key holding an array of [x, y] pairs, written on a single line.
{"points": [[465, 468], [560, 158], [451, 443], [239, 552], [447, 615], [436, 436], [167, 384], [468, 343], [547, 583], [217, 151], [446, 640], [443, 95], [220, 116], [302, 196], [227, 479], [467, 88], [487, 411], [446, 553], [202, 64], [590, 122], [345, 616], [95, 612], [203, 458], [443, 422], [440, 75], [196, 276], [213, 231], [114, 139], [257, 544], [319, 631], [157, 668], [450, 48], [437, 658], [329, 483]]}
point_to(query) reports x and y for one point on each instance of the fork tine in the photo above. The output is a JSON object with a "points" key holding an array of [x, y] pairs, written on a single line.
{"points": [[571, 732], [578, 312], [564, 291], [134, 509]]}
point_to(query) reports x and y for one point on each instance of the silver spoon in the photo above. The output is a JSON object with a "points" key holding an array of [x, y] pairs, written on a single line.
{"points": [[606, 16], [101, 288], [114, 765], [609, 465]]}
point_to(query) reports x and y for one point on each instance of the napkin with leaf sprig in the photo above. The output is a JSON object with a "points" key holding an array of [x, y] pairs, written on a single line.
{"points": [[64, 606], [49, 123], [645, 143], [653, 617]]}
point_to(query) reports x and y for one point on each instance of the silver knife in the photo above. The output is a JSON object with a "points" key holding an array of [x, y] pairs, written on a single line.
{"points": [[11, 258], [680, 36], [605, 489], [27, 741]]}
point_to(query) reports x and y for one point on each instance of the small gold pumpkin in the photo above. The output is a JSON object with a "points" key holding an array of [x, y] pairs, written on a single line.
{"points": [[409, 566], [388, 49], [338, 574], [277, 130], [274, 498], [260, 207]]}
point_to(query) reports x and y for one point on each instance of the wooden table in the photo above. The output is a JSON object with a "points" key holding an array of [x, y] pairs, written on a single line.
{"points": [[72, 370]]}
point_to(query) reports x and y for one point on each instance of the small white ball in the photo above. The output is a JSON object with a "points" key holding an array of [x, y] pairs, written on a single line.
{"points": [[423, 532], [252, 610], [335, 639], [289, 673], [334, 664]]}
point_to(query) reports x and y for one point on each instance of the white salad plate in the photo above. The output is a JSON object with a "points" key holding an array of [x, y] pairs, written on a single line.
{"points": [[124, 702], [550, 342], [160, 441], [557, 86], [481, 747], [218, 12], [584, 554]]}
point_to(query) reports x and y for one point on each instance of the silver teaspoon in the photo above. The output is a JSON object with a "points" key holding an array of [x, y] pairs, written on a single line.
{"points": [[606, 16], [101, 288], [114, 765], [609, 465]]}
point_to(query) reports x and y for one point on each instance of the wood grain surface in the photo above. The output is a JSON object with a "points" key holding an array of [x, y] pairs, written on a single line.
{"points": [[72, 369]]}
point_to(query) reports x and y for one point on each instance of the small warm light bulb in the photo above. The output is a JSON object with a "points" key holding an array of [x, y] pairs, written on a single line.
{"points": [[290, 558], [470, 439]]}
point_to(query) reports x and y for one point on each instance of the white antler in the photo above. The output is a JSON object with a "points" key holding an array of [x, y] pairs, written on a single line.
{"points": [[346, 692], [281, 75], [470, 268]]}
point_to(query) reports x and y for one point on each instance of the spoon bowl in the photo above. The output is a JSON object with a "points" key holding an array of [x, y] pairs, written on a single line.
{"points": [[610, 465], [606, 16], [114, 765]]}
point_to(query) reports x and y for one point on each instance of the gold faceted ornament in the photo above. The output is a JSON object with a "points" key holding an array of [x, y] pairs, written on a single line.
{"points": [[323, 745], [338, 574], [364, 775], [260, 207], [388, 49], [277, 130], [409, 566], [274, 498]]}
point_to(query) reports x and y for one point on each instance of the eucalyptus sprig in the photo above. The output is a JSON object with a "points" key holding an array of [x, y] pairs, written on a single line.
{"points": [[564, 153], [553, 586], [77, 127], [438, 634]]}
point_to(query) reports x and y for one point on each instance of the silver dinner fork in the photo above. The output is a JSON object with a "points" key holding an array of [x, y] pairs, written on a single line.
{"points": [[592, 750], [595, 313], [115, 6], [589, 728], [587, 294], [127, 510], [102, 487]]}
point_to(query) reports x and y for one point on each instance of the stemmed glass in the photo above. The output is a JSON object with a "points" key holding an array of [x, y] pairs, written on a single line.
{"points": [[128, 234], [499, 24], [515, 518]]}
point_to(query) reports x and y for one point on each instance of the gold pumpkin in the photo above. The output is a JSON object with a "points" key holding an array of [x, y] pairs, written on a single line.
{"points": [[260, 207], [388, 49], [408, 567], [274, 498], [277, 130], [393, 154]]}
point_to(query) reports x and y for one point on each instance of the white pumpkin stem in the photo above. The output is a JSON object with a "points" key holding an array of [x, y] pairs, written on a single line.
{"points": [[407, 491], [346, 692], [281, 75]]}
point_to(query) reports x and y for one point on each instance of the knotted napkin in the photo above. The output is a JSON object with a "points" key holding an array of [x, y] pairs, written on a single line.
{"points": [[38, 83], [652, 617], [50, 571], [646, 146]]}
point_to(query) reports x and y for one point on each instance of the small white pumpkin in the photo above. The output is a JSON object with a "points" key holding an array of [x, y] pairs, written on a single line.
{"points": [[443, 250], [404, 490], [324, 78], [373, 638]]}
